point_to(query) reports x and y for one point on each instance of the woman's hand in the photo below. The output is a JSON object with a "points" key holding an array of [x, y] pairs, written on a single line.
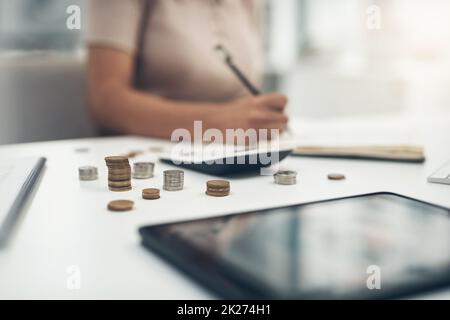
{"points": [[116, 104], [260, 112]]}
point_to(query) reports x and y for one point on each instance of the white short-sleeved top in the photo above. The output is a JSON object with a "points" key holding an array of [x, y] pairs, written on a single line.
{"points": [[178, 59]]}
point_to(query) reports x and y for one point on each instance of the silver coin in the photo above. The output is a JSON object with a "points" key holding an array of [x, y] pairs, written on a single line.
{"points": [[87, 173], [173, 180], [285, 177], [143, 170]]}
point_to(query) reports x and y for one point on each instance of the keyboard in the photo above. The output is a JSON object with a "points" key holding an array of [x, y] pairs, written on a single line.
{"points": [[442, 175]]}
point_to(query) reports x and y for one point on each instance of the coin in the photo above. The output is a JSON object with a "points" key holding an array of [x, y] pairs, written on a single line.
{"points": [[143, 170], [119, 173], [82, 150], [116, 159], [218, 188], [150, 194], [121, 205], [119, 184], [286, 177], [117, 189], [336, 176], [173, 180], [218, 184], [124, 177], [87, 173]]}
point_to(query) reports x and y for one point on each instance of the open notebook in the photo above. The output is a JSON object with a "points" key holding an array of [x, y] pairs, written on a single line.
{"points": [[17, 178]]}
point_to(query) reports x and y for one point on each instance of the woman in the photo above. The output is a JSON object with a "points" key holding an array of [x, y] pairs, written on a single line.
{"points": [[153, 68]]}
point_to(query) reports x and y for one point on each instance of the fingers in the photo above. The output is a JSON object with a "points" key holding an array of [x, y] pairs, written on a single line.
{"points": [[270, 120], [273, 101]]}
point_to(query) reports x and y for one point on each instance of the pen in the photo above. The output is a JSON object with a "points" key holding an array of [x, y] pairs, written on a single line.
{"points": [[244, 80]]}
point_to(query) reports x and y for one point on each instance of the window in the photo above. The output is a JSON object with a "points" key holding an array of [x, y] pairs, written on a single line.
{"points": [[37, 25]]}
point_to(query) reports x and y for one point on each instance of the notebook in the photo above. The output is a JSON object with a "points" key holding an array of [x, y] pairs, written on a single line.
{"points": [[17, 179]]}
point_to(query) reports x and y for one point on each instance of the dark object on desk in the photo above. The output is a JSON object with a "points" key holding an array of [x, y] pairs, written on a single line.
{"points": [[363, 247], [398, 153], [237, 72], [243, 162], [18, 179]]}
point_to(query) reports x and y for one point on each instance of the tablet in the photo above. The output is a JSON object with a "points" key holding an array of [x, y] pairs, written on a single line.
{"points": [[370, 246]]}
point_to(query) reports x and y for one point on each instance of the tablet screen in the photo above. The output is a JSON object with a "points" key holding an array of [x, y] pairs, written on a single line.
{"points": [[376, 244]]}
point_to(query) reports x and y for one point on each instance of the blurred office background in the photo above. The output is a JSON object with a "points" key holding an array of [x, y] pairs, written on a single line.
{"points": [[333, 59]]}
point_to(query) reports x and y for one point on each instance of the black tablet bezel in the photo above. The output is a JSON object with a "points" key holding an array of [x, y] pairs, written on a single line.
{"points": [[224, 287]]}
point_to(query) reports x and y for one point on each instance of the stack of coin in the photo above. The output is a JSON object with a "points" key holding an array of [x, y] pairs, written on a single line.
{"points": [[143, 170], [218, 188], [88, 173], [121, 205], [285, 177], [150, 194], [173, 180], [119, 173]]}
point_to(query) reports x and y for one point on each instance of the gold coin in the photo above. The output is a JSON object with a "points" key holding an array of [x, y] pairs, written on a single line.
{"points": [[217, 194], [336, 176], [218, 188], [150, 194], [118, 166], [120, 171], [121, 205], [213, 184], [112, 177], [116, 159], [119, 184], [117, 189]]}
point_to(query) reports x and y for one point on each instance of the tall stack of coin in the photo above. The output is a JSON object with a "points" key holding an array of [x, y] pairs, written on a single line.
{"points": [[285, 177], [143, 170], [173, 180], [119, 173], [218, 188]]}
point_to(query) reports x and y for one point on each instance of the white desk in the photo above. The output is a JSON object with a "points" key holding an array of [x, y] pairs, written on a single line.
{"points": [[67, 222]]}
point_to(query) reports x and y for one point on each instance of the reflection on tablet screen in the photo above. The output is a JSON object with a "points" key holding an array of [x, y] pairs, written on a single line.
{"points": [[323, 249]]}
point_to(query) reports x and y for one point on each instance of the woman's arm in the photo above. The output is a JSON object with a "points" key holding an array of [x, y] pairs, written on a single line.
{"points": [[117, 105]]}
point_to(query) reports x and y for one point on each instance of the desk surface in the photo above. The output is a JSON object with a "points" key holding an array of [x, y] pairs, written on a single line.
{"points": [[66, 223]]}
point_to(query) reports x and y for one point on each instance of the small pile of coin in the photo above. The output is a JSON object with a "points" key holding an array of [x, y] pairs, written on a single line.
{"points": [[88, 173], [150, 194], [285, 177], [336, 176], [121, 205], [143, 170], [119, 173], [173, 180], [218, 188]]}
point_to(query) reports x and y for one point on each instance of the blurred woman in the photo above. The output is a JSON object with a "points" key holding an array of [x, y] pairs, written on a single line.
{"points": [[153, 67]]}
